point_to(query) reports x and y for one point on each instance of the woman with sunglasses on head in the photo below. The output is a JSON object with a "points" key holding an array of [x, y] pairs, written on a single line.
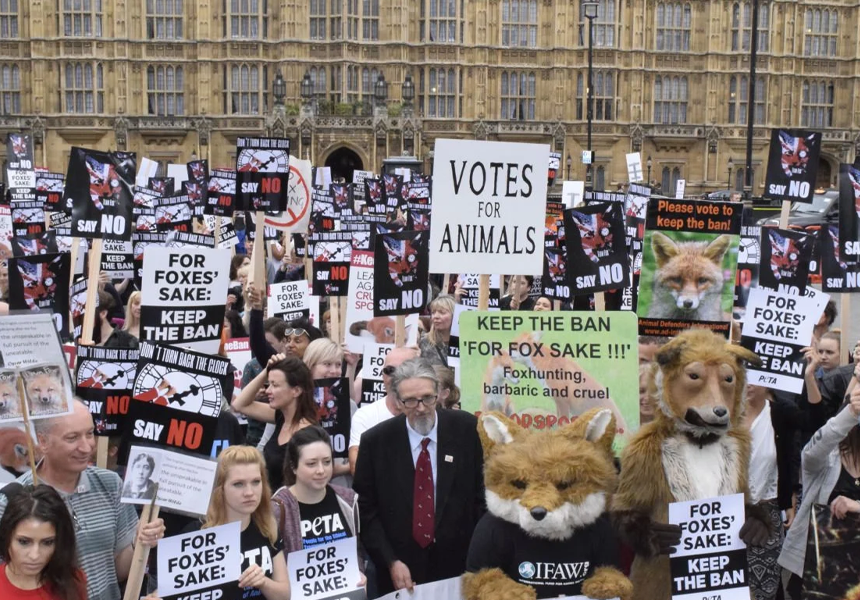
{"points": [[298, 335], [291, 407], [37, 545]]}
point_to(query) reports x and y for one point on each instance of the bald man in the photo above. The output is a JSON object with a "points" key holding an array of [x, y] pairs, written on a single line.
{"points": [[106, 531], [370, 415]]}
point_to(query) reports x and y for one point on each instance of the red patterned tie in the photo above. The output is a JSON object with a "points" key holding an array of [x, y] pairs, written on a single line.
{"points": [[423, 511]]}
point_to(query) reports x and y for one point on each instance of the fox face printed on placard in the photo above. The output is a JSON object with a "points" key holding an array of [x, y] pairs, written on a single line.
{"points": [[837, 275], [401, 263], [785, 256], [19, 149], [34, 245], [392, 186], [99, 193], [333, 413], [41, 283], [849, 212], [792, 164], [221, 192], [163, 186], [554, 278], [341, 194], [596, 248]]}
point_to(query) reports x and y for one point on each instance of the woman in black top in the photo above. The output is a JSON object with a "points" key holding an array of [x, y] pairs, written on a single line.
{"points": [[291, 406]]}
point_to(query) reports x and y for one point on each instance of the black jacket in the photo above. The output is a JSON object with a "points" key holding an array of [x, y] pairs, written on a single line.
{"points": [[384, 478], [786, 419]]}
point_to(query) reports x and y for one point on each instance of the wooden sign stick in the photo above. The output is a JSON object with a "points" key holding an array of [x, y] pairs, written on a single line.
{"points": [[845, 315], [31, 448], [217, 232], [258, 268], [446, 283], [599, 302], [141, 553], [399, 331], [783, 214], [334, 315], [90, 309], [483, 292]]}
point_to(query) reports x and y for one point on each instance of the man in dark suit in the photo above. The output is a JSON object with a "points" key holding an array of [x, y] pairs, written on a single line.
{"points": [[419, 479]]}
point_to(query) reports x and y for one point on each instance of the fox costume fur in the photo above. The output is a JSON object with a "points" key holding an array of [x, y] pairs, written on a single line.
{"points": [[550, 485], [695, 448]]}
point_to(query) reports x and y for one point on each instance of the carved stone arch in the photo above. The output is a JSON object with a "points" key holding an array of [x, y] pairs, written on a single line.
{"points": [[331, 155], [636, 137], [713, 136]]}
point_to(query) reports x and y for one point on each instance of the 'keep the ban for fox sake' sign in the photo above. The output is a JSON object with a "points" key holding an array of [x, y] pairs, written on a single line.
{"points": [[488, 207]]}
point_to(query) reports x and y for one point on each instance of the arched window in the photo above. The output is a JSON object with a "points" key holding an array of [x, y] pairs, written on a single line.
{"points": [[674, 21], [739, 100], [441, 21], [8, 19], [604, 25], [10, 89], [163, 19], [82, 18], [83, 88], [245, 90], [519, 23], [441, 93], [165, 93], [604, 95], [246, 19], [599, 179], [518, 95], [742, 26]]}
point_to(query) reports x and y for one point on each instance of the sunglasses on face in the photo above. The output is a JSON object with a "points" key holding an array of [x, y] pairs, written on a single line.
{"points": [[389, 370], [295, 332]]}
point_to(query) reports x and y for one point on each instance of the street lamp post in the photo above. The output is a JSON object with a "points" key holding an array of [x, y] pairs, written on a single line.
{"points": [[731, 168], [380, 92], [648, 164], [307, 88], [568, 162], [748, 180], [279, 88], [589, 10]]}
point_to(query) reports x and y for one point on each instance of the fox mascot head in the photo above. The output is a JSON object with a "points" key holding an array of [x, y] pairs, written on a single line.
{"points": [[551, 485]]}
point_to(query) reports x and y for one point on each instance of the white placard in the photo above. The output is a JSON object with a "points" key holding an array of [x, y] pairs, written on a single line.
{"points": [[199, 560], [711, 558], [447, 589], [148, 168], [289, 300], [489, 207], [634, 167], [5, 232], [572, 193], [21, 178], [323, 177], [361, 327], [184, 482], [328, 571], [179, 172], [374, 360], [239, 352], [184, 293], [680, 188]]}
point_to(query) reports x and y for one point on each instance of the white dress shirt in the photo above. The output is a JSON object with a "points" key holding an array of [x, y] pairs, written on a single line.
{"points": [[415, 439]]}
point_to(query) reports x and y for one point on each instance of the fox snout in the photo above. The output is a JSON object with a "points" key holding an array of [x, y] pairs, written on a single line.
{"points": [[538, 513], [711, 416], [688, 301]]}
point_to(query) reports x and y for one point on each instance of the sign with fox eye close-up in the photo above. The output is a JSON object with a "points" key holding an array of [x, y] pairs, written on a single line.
{"points": [[785, 255], [596, 248], [792, 165], [400, 273], [99, 193]]}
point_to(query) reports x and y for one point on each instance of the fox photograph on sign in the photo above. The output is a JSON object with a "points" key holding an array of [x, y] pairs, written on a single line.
{"points": [[792, 165], [99, 193], [488, 207]]}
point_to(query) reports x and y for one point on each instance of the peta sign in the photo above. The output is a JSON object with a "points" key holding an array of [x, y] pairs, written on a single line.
{"points": [[488, 207]]}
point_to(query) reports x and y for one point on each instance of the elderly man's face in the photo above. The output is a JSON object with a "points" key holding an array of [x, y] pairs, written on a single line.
{"points": [[415, 391], [394, 359], [69, 444]]}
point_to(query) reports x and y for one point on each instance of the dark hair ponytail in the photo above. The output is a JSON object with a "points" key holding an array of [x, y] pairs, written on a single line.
{"points": [[303, 437], [61, 576]]}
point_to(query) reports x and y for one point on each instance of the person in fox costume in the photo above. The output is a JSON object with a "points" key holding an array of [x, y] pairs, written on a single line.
{"points": [[695, 448], [547, 532]]}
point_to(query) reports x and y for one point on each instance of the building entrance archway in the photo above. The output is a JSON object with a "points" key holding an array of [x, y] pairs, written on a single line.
{"points": [[343, 162]]}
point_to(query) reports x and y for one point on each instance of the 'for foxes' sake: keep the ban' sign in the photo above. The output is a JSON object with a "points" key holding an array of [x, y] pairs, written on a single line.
{"points": [[488, 207]]}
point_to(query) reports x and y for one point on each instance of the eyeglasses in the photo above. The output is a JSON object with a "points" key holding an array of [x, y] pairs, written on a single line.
{"points": [[296, 332], [413, 402], [389, 370]]}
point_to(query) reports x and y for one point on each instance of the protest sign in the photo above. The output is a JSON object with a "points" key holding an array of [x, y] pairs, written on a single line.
{"points": [[837, 275], [469, 283], [148, 168], [792, 164], [711, 560], [28, 340], [184, 296], [635, 172], [49, 189], [239, 352], [326, 572], [118, 259], [31, 245], [41, 284], [400, 273], [208, 561], [785, 256], [333, 411], [417, 218], [289, 300], [488, 208], [184, 482], [163, 186], [99, 193], [554, 167], [572, 193], [176, 399], [360, 324], [831, 570], [447, 589], [103, 379], [777, 327], [221, 192], [545, 368], [12, 404], [331, 257], [849, 213], [47, 389], [749, 258], [297, 213], [372, 388], [19, 167], [596, 248], [680, 187], [689, 260], [6, 230], [262, 174], [173, 213]]}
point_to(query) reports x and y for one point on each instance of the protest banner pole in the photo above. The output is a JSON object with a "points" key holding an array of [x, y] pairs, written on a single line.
{"points": [[31, 450], [483, 292], [783, 214], [259, 258], [334, 315], [217, 232], [446, 283], [845, 313], [599, 302], [94, 268], [400, 331], [141, 553]]}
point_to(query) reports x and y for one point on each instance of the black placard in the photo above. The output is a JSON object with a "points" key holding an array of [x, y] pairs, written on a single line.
{"points": [[596, 248], [333, 412], [792, 164], [331, 258], [41, 284], [99, 193], [262, 174], [103, 379], [837, 275], [785, 258], [400, 272], [221, 194]]}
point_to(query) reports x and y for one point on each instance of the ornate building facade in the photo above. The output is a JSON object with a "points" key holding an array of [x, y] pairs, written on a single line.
{"points": [[172, 78]]}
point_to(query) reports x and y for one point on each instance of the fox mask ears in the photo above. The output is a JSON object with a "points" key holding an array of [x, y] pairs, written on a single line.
{"points": [[665, 248], [670, 353], [596, 426]]}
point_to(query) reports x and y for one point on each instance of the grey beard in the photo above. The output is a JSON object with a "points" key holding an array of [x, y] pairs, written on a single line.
{"points": [[423, 424]]}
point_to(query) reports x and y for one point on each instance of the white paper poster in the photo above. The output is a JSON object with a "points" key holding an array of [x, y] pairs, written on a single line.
{"points": [[489, 207], [200, 560], [184, 482], [572, 193], [711, 560], [179, 172], [289, 300], [634, 167], [5, 232], [680, 188], [361, 326], [329, 571], [148, 168], [184, 293], [447, 589], [372, 388]]}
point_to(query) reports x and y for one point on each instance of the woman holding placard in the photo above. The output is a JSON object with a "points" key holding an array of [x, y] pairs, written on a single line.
{"points": [[241, 493], [291, 407], [37, 545], [434, 345]]}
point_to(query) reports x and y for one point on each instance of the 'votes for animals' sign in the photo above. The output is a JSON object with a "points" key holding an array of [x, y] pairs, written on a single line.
{"points": [[488, 207], [711, 560], [184, 295]]}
